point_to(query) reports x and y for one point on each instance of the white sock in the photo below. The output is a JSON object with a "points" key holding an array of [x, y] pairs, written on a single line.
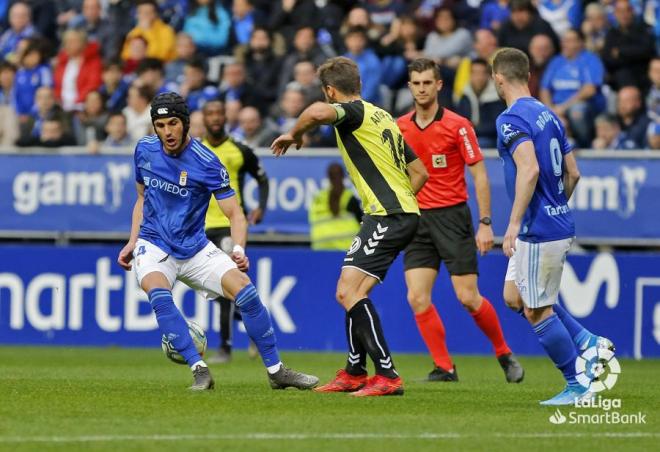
{"points": [[198, 363], [273, 369]]}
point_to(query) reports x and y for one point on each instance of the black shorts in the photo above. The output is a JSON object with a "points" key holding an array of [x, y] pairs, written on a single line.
{"points": [[216, 235], [444, 235], [379, 242]]}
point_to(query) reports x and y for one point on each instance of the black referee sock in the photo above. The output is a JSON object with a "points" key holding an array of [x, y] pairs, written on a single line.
{"points": [[356, 363], [367, 328], [226, 322]]}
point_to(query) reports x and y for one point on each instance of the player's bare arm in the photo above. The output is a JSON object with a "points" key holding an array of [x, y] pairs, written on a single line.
{"points": [[527, 174], [484, 236], [313, 116], [418, 175], [126, 253], [232, 210], [571, 175]]}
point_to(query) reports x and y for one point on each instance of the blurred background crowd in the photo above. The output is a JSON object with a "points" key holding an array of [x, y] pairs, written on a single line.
{"points": [[83, 72]]}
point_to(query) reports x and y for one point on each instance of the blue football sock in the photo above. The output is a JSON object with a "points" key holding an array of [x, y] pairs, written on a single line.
{"points": [[579, 333], [556, 341], [173, 325], [258, 324]]}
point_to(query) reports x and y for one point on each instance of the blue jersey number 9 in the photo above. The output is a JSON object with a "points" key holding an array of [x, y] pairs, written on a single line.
{"points": [[556, 157]]}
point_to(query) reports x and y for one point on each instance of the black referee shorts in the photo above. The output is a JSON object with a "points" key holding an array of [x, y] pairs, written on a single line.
{"points": [[379, 242], [444, 235]]}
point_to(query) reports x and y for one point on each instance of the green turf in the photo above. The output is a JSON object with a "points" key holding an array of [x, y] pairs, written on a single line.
{"points": [[134, 399]]}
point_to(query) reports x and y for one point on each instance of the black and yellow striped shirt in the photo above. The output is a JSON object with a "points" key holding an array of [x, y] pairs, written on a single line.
{"points": [[376, 158]]}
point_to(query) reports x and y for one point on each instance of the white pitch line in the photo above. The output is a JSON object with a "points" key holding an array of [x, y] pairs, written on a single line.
{"points": [[316, 436]]}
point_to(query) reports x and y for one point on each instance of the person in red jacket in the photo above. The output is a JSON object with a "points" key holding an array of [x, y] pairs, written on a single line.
{"points": [[78, 69]]}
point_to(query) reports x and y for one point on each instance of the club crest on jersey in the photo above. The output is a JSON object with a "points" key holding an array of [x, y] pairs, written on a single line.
{"points": [[439, 161], [183, 178]]}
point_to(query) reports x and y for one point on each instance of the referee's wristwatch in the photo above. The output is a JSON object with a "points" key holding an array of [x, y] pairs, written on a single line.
{"points": [[486, 220]]}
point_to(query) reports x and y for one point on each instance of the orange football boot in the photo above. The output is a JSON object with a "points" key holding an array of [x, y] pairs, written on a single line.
{"points": [[381, 386], [344, 382]]}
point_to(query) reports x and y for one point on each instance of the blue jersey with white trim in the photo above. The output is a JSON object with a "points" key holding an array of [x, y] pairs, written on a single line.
{"points": [[177, 191], [548, 216]]}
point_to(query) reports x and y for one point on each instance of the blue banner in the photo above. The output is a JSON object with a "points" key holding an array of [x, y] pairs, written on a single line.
{"points": [[78, 296], [615, 198]]}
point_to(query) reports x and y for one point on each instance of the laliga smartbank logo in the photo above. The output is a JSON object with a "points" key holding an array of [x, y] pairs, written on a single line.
{"points": [[597, 370]]}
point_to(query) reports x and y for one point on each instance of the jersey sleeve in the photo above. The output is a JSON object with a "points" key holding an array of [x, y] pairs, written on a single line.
{"points": [[513, 130], [468, 144], [408, 153], [137, 159], [349, 116], [217, 180]]}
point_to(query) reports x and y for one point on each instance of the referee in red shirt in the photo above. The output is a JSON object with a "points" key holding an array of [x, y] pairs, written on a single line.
{"points": [[446, 142]]}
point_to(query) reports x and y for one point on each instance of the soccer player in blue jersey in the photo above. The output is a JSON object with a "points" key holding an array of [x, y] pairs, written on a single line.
{"points": [[176, 176], [540, 174]]}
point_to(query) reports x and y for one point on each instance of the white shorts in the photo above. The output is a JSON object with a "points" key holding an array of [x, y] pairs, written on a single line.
{"points": [[202, 272], [536, 269]]}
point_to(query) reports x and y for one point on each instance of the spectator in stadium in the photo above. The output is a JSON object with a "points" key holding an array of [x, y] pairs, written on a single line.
{"points": [[405, 38], [653, 97], [32, 73], [628, 48], [383, 13], [306, 81], [45, 106], [159, 36], [447, 43], [484, 47], [595, 27], [98, 29], [197, 129], [52, 134], [653, 136], [235, 86], [571, 86], [173, 12], [137, 51], [291, 104], [89, 124], [151, 73], [117, 133], [137, 113], [494, 14], [254, 132], [481, 104], [232, 110], [9, 128], [359, 17], [562, 15], [607, 133], [541, 50], [209, 25], [368, 63], [185, 51], [196, 88], [20, 27], [262, 65], [245, 18], [304, 48], [632, 118], [288, 16], [335, 214], [78, 69], [523, 25], [115, 87]]}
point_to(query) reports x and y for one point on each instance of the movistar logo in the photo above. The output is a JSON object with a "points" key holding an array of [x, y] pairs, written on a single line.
{"points": [[165, 186]]}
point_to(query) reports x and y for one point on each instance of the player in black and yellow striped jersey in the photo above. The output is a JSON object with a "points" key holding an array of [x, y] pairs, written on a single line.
{"points": [[239, 161], [387, 175]]}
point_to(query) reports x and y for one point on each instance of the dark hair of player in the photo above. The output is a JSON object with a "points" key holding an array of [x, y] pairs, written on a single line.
{"points": [[424, 64], [513, 64], [480, 61], [342, 74]]}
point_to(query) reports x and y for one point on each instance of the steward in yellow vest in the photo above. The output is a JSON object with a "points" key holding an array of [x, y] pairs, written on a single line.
{"points": [[335, 214]]}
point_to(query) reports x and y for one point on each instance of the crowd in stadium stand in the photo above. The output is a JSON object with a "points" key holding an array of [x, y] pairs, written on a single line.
{"points": [[83, 72]]}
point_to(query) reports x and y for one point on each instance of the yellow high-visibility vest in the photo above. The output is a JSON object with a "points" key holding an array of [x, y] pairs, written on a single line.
{"points": [[329, 232]]}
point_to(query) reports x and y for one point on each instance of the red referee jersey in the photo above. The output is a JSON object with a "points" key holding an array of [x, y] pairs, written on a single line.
{"points": [[445, 146]]}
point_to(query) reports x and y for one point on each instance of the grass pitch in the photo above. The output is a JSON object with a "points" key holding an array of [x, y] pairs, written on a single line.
{"points": [[134, 399]]}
